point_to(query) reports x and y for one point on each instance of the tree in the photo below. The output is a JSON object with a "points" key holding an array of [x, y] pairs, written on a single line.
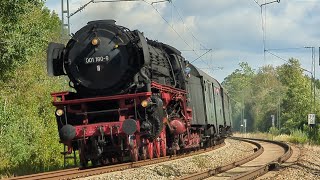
{"points": [[29, 134], [238, 85], [297, 101], [268, 93], [24, 28]]}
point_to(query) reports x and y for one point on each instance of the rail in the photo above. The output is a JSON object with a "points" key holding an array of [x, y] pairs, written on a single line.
{"points": [[269, 166], [250, 174], [77, 173]]}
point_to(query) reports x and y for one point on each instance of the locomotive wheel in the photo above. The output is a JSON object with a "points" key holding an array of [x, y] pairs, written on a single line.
{"points": [[134, 154], [83, 159], [144, 153], [174, 152], [163, 144], [134, 151], [157, 147], [121, 157], [150, 150], [144, 149], [95, 162]]}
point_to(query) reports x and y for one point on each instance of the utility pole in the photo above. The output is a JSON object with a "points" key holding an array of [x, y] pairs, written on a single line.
{"points": [[314, 79], [279, 115], [65, 18], [264, 24], [242, 110], [313, 84]]}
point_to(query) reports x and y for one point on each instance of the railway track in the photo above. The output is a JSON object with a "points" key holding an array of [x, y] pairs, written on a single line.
{"points": [[267, 156], [77, 173]]}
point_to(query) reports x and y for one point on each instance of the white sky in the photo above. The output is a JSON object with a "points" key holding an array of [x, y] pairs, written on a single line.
{"points": [[231, 28]]}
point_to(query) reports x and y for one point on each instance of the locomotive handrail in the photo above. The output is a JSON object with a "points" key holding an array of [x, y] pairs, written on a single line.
{"points": [[167, 88], [104, 98], [102, 111]]}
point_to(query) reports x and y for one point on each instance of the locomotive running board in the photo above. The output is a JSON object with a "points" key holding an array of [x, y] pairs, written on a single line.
{"points": [[61, 96]]}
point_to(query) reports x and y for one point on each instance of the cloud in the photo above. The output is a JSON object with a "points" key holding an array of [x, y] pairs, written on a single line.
{"points": [[233, 28]]}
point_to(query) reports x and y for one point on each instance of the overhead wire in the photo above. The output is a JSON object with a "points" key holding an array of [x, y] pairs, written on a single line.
{"points": [[264, 23], [287, 61], [283, 49], [193, 36], [180, 36], [199, 56], [256, 2], [180, 16]]}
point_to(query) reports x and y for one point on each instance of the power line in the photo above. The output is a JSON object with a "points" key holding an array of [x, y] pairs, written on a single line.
{"points": [[256, 2], [264, 22], [180, 36], [180, 16], [201, 55], [193, 37], [110, 1], [283, 49], [287, 61], [276, 56], [167, 22]]}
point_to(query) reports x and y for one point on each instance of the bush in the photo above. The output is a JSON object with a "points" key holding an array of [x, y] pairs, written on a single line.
{"points": [[298, 137], [285, 130], [282, 137], [29, 138], [274, 131]]}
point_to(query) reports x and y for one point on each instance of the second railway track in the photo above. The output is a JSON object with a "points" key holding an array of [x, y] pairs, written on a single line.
{"points": [[268, 155]]}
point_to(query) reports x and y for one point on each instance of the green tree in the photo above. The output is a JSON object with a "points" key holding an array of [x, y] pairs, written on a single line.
{"points": [[27, 123], [25, 26], [297, 101], [268, 92], [239, 86]]}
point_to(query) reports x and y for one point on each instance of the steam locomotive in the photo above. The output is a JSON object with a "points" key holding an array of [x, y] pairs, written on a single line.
{"points": [[132, 97]]}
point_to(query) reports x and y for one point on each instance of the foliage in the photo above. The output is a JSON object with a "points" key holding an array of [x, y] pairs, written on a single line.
{"points": [[25, 28], [239, 87], [296, 104], [263, 93], [268, 91], [27, 125], [298, 137], [274, 131], [283, 91]]}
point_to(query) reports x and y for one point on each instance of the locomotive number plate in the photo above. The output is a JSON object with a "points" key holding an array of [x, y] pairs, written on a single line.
{"points": [[97, 59]]}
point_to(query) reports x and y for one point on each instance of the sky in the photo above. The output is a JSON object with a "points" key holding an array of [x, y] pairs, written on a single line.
{"points": [[235, 30]]}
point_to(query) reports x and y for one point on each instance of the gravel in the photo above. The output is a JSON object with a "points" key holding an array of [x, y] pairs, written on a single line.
{"points": [[233, 151]]}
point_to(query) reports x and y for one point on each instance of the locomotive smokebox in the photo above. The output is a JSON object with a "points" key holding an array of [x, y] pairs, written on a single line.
{"points": [[101, 58], [67, 133]]}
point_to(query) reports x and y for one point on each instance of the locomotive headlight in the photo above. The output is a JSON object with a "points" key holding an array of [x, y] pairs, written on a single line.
{"points": [[59, 112], [144, 103], [95, 41]]}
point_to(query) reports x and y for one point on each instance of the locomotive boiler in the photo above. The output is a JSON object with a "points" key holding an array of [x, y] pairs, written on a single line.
{"points": [[133, 97]]}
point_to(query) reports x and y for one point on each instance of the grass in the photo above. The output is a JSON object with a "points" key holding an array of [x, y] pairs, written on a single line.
{"points": [[296, 136]]}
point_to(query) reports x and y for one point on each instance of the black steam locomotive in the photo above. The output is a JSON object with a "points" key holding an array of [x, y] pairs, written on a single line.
{"points": [[134, 97]]}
